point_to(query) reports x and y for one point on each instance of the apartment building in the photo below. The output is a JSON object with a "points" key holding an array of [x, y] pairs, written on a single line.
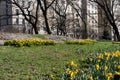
{"points": [[116, 10], [92, 19], [117, 13], [11, 19], [5, 15], [88, 11], [87, 17]]}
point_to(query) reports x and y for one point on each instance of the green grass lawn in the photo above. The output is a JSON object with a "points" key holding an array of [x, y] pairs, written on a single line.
{"points": [[41, 36], [30, 63]]}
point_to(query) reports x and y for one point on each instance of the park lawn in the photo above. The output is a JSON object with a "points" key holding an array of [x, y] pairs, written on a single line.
{"points": [[34, 63], [41, 36]]}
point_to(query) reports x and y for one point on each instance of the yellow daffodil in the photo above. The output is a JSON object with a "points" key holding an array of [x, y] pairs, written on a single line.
{"points": [[73, 64], [98, 60], [76, 71], [51, 76], [97, 66], [90, 59], [108, 76], [116, 54], [118, 66], [72, 74], [117, 73], [90, 78], [107, 54], [100, 56], [105, 68], [67, 70]]}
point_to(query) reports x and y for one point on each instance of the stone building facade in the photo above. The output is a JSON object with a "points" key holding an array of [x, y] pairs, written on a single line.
{"points": [[10, 20], [90, 12], [5, 15]]}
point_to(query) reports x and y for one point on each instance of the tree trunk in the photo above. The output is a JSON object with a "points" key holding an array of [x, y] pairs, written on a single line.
{"points": [[84, 31], [46, 23], [116, 32], [35, 29]]}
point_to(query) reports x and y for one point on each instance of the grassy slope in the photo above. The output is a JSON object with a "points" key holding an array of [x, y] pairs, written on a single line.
{"points": [[41, 36], [31, 62]]}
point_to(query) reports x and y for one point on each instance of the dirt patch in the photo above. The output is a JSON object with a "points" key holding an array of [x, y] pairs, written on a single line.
{"points": [[10, 36], [58, 38]]}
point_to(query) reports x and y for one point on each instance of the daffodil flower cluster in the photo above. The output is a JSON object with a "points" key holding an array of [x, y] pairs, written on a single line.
{"points": [[104, 66], [71, 71], [29, 42], [101, 66], [80, 41]]}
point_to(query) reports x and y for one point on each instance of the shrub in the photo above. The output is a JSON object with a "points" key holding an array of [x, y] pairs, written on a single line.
{"points": [[29, 42]]}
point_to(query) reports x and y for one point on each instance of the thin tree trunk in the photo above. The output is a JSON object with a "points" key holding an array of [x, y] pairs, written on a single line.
{"points": [[35, 29], [46, 23], [116, 32]]}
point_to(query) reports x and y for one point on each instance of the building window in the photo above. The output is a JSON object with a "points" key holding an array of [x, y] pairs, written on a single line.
{"points": [[23, 21], [20, 21], [23, 3], [63, 2], [17, 12], [29, 4], [17, 21], [77, 15], [17, 1]]}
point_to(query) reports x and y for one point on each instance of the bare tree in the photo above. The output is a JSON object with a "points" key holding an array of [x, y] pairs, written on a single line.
{"points": [[107, 6], [44, 5], [81, 11], [61, 11], [68, 18], [26, 12]]}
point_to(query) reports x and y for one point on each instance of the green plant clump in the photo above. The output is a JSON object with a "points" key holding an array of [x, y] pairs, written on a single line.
{"points": [[80, 41], [102, 66], [116, 42], [28, 42]]}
